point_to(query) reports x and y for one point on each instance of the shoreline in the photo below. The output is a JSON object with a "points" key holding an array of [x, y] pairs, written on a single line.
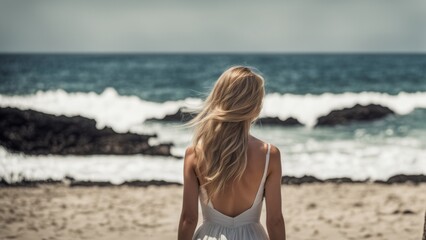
{"points": [[285, 180]]}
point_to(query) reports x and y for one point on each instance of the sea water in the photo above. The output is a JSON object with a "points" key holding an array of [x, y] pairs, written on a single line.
{"points": [[124, 90]]}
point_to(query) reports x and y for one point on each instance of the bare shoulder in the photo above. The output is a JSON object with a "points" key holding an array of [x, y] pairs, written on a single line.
{"points": [[274, 152], [258, 144], [190, 156], [274, 159], [189, 150]]}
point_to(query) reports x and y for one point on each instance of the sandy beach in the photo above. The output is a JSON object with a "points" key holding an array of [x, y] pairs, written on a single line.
{"points": [[311, 211]]}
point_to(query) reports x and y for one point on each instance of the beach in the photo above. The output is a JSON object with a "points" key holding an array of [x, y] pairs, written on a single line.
{"points": [[311, 211]]}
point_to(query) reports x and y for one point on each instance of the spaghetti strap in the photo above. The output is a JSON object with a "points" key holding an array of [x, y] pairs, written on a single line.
{"points": [[267, 162], [265, 171], [269, 151]]}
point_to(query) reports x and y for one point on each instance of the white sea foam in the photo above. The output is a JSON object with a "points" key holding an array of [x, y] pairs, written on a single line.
{"points": [[302, 152], [308, 108], [320, 159], [115, 169], [124, 112], [108, 108]]}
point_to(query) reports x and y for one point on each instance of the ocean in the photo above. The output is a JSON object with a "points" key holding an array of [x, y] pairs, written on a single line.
{"points": [[123, 90]]}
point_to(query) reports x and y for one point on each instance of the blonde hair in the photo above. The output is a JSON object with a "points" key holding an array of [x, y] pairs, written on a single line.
{"points": [[222, 126]]}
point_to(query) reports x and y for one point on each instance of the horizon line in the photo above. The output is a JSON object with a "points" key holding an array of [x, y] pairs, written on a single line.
{"points": [[210, 52]]}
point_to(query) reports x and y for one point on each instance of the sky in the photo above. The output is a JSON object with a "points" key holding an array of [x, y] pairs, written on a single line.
{"points": [[213, 26]]}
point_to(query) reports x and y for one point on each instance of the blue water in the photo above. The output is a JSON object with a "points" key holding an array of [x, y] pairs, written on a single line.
{"points": [[162, 77], [132, 87]]}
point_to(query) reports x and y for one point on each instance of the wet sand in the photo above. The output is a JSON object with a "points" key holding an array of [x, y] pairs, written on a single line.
{"points": [[311, 211]]}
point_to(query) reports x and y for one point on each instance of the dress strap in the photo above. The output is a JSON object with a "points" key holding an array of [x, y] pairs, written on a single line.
{"points": [[266, 163], [265, 171]]}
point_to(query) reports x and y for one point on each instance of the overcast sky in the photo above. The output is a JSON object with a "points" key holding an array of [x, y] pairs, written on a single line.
{"points": [[213, 26]]}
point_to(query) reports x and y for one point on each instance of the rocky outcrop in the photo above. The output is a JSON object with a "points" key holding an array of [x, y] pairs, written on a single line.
{"points": [[300, 180], [288, 180], [136, 183], [355, 113], [71, 182], [311, 179], [400, 178], [180, 116], [37, 133], [278, 122]]}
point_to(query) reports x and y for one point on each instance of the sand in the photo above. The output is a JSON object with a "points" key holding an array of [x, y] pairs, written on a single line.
{"points": [[311, 211]]}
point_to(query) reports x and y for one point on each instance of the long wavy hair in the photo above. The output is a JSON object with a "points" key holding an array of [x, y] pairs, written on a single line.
{"points": [[222, 127]]}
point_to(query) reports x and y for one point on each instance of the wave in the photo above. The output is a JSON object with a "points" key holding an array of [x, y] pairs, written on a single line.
{"points": [[124, 112], [107, 108], [308, 108], [329, 159]]}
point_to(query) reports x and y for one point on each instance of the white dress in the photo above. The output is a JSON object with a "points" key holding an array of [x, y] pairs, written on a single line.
{"points": [[246, 225]]}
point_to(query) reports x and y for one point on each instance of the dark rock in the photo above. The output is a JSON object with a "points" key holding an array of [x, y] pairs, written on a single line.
{"points": [[344, 180], [407, 211], [355, 113], [276, 121], [71, 182], [180, 116], [37, 133], [90, 184], [138, 183], [28, 183], [402, 178], [69, 178], [300, 180], [397, 211]]}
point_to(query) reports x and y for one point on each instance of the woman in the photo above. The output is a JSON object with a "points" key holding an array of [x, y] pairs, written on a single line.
{"points": [[230, 169]]}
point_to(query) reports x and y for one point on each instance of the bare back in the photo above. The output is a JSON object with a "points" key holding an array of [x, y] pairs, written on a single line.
{"points": [[240, 196]]}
